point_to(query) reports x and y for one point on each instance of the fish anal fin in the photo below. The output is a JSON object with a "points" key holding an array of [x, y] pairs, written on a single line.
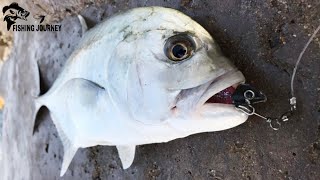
{"points": [[126, 154]]}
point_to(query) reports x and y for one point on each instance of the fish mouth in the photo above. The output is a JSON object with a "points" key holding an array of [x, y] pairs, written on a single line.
{"points": [[208, 107], [224, 96], [217, 91], [220, 90]]}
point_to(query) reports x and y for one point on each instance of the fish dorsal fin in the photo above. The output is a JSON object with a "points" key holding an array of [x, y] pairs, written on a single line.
{"points": [[83, 23], [126, 154]]}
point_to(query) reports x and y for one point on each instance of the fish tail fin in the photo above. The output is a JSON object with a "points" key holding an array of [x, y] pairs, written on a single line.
{"points": [[38, 103], [69, 153], [68, 146], [37, 106], [38, 98], [41, 99]]}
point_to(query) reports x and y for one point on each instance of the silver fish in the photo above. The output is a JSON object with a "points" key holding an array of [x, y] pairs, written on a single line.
{"points": [[141, 77]]}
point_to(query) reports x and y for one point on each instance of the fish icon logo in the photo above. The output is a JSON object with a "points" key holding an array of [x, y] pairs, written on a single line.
{"points": [[14, 12]]}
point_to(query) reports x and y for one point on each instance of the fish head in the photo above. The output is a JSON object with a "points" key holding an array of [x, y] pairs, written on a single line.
{"points": [[167, 67], [14, 11]]}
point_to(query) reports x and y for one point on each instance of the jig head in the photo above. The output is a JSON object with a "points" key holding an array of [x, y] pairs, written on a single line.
{"points": [[245, 96]]}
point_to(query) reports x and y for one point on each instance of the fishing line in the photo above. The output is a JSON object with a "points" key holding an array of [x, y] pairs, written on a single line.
{"points": [[243, 102], [299, 59]]}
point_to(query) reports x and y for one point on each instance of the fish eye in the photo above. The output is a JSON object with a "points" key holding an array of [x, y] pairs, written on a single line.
{"points": [[179, 47]]}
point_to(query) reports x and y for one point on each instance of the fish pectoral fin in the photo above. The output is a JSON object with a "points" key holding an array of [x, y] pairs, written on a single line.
{"points": [[126, 154]]}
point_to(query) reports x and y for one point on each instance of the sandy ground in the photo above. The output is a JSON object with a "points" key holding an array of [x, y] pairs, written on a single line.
{"points": [[262, 38]]}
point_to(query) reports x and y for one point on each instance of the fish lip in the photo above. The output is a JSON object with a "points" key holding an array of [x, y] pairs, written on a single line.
{"points": [[234, 78], [192, 99]]}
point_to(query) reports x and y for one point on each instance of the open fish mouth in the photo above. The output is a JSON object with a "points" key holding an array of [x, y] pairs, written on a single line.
{"points": [[220, 90], [224, 96], [216, 91], [210, 106]]}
